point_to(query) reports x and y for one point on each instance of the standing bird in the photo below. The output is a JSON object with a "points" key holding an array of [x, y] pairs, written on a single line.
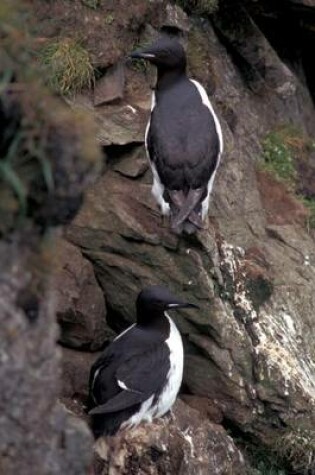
{"points": [[183, 138], [138, 376]]}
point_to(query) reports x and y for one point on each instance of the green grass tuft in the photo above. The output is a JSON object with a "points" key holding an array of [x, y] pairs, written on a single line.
{"points": [[109, 19], [69, 69], [91, 3]]}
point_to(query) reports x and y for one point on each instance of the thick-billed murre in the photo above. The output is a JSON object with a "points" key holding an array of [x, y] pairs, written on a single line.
{"points": [[138, 376], [183, 138]]}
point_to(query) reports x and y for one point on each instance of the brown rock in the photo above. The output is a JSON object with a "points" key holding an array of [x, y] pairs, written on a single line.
{"points": [[205, 406], [182, 444], [76, 367], [81, 308], [281, 206]]}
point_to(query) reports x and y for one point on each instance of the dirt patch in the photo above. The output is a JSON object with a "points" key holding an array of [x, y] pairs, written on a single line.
{"points": [[108, 31], [280, 206]]}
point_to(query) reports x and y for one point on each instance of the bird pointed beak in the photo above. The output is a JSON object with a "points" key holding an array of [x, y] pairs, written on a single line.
{"points": [[141, 54], [172, 306]]}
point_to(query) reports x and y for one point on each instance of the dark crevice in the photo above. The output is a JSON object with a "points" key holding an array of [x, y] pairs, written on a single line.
{"points": [[285, 27]]}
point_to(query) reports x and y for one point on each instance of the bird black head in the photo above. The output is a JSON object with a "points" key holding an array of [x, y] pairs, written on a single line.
{"points": [[153, 301], [165, 53]]}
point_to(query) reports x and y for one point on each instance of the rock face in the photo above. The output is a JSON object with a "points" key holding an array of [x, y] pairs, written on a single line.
{"points": [[249, 349], [183, 443], [81, 310]]}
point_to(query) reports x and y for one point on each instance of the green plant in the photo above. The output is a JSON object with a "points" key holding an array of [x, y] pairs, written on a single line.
{"points": [[68, 66], [298, 448], [109, 19], [199, 7], [140, 65], [91, 3], [261, 459], [282, 149], [278, 158], [309, 204]]}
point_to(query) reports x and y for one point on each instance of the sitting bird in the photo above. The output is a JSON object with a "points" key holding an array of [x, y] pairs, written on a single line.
{"points": [[183, 138], [139, 374]]}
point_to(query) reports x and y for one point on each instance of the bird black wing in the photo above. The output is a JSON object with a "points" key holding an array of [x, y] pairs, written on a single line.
{"points": [[182, 139], [130, 370]]}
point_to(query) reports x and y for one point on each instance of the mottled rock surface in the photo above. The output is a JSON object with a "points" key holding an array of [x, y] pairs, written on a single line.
{"points": [[182, 444]]}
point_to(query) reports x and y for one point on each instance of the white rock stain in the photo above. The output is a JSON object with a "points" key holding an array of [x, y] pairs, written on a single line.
{"points": [[278, 346]]}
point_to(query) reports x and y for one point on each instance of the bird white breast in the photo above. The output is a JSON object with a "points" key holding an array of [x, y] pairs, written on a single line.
{"points": [[147, 411], [205, 100], [175, 374], [157, 187]]}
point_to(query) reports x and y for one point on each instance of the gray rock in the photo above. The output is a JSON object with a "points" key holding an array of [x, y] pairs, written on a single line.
{"points": [[119, 124], [111, 86], [176, 18], [35, 430], [133, 164], [81, 310]]}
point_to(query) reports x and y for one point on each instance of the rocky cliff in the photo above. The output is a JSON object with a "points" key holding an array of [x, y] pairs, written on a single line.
{"points": [[249, 353]]}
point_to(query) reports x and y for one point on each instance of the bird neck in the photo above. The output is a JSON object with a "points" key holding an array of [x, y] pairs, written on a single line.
{"points": [[154, 320], [167, 77]]}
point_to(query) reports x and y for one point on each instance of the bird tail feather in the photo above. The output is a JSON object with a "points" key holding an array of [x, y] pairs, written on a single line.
{"points": [[185, 210]]}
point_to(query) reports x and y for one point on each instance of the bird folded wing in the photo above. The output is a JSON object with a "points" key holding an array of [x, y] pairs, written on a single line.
{"points": [[146, 373], [123, 400], [142, 375]]}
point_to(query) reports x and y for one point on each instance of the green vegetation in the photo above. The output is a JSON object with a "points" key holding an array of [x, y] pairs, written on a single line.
{"points": [[298, 448], [68, 66], [283, 148], [91, 3], [309, 203], [262, 460], [46, 149], [278, 158], [199, 7], [140, 65]]}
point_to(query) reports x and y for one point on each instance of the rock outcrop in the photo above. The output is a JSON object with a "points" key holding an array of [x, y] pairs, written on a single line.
{"points": [[80, 308], [249, 352], [182, 443], [249, 347]]}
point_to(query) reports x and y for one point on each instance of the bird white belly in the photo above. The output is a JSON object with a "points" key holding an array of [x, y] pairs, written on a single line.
{"points": [[147, 411], [157, 187], [207, 103], [175, 374]]}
